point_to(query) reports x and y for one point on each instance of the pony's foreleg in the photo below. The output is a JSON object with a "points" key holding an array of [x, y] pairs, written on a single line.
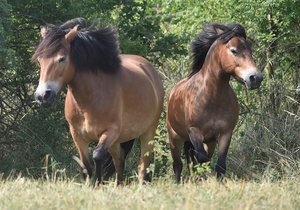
{"points": [[82, 147], [197, 140], [223, 144], [100, 154]]}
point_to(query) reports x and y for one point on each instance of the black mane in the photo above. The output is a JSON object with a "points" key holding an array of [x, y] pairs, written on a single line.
{"points": [[208, 36], [91, 50]]}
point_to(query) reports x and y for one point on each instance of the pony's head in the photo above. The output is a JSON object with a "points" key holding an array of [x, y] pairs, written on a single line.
{"points": [[233, 52], [56, 68], [64, 50]]}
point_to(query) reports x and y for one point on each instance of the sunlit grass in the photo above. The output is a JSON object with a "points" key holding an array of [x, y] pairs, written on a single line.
{"points": [[24, 193]]}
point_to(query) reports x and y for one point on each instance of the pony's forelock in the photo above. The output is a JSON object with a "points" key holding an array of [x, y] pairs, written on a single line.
{"points": [[92, 49], [210, 33]]}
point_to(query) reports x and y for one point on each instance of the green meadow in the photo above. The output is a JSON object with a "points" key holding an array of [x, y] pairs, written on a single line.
{"points": [[26, 194]]}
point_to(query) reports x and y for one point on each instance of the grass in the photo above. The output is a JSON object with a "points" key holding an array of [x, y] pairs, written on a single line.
{"points": [[25, 193]]}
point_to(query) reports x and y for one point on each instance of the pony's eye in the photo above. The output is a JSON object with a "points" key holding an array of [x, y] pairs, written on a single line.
{"points": [[61, 59], [234, 51]]}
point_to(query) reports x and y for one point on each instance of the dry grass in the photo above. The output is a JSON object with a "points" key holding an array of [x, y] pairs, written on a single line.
{"points": [[162, 194]]}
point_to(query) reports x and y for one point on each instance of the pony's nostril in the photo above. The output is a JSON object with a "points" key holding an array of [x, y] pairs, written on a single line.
{"points": [[47, 94], [39, 98], [252, 78]]}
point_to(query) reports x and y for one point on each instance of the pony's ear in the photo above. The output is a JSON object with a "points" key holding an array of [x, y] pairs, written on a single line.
{"points": [[71, 35], [219, 31], [43, 31]]}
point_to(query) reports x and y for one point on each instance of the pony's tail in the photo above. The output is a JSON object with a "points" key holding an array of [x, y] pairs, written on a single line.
{"points": [[108, 166], [189, 154]]}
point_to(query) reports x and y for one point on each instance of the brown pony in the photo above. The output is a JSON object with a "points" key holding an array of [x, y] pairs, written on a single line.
{"points": [[202, 109], [111, 98]]}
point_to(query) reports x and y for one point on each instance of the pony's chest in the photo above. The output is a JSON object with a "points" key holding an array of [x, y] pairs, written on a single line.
{"points": [[87, 130], [84, 120], [217, 123], [84, 125], [212, 119]]}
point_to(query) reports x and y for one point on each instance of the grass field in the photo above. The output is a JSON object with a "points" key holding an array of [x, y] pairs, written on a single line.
{"points": [[24, 193]]}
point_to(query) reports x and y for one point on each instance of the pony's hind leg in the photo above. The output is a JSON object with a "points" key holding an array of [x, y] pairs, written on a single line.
{"points": [[176, 144], [127, 146], [176, 148], [108, 166], [189, 155], [118, 158], [146, 155]]}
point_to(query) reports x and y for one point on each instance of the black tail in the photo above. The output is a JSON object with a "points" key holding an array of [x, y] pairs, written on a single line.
{"points": [[108, 166], [189, 153]]}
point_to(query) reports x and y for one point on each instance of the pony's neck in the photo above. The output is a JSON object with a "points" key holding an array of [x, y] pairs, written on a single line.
{"points": [[211, 73], [86, 87]]}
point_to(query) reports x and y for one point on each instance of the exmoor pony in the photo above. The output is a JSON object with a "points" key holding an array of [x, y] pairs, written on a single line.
{"points": [[111, 98], [202, 109]]}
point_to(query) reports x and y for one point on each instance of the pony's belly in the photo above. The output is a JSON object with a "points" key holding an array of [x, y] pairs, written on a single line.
{"points": [[213, 128], [135, 128], [209, 129], [91, 131]]}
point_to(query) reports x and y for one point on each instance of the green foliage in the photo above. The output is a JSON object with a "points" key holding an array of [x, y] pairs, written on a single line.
{"points": [[4, 31], [41, 143]]}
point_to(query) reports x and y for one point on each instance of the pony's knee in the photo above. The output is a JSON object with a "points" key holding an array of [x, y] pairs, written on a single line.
{"points": [[100, 154]]}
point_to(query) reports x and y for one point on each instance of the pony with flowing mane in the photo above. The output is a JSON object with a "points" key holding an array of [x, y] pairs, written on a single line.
{"points": [[202, 109]]}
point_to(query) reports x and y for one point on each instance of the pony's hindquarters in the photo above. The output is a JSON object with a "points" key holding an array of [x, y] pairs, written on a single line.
{"points": [[175, 127], [148, 137], [142, 106]]}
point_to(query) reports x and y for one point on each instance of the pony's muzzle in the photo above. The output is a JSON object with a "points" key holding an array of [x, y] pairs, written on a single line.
{"points": [[254, 80], [46, 98]]}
